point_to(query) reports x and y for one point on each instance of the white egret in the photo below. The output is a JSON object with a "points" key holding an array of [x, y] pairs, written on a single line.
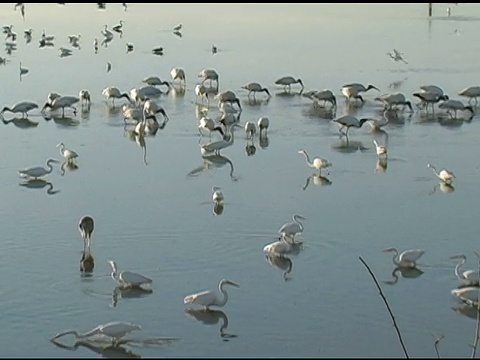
{"points": [[254, 87], [155, 81], [178, 74], [467, 277], [228, 96], [217, 195], [112, 92], [216, 146], [86, 226], [209, 74], [407, 258], [469, 294], [209, 298], [288, 81], [348, 121], [397, 56], [263, 123], [444, 175], [84, 96], [127, 278], [380, 149], [69, 154], [250, 129], [21, 107], [38, 171], [393, 100], [472, 92], [61, 103], [115, 329], [317, 162], [290, 229], [352, 91], [207, 123], [454, 106]]}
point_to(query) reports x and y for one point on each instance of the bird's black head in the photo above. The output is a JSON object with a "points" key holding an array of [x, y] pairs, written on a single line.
{"points": [[300, 82], [409, 104], [362, 121], [372, 87], [443, 97], [266, 90]]}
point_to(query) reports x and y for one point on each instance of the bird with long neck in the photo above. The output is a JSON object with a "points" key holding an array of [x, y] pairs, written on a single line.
{"points": [[444, 175], [317, 163]]}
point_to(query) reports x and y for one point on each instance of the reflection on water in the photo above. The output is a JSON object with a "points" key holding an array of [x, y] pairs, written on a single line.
{"points": [[140, 140], [444, 188], [69, 165], [211, 317], [218, 207], [318, 180], [105, 350], [39, 184], [345, 145], [468, 310], [213, 162], [122, 292], [282, 262], [62, 120], [87, 263], [406, 273], [22, 123], [381, 164], [250, 148]]}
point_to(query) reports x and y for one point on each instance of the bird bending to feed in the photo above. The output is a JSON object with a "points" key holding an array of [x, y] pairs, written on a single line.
{"points": [[380, 149], [112, 92], [393, 100], [209, 298], [348, 121], [325, 96], [155, 81], [68, 154], [228, 96], [61, 103], [216, 146], [128, 279], [352, 91], [472, 92], [254, 87], [429, 98], [397, 56], [444, 175], [288, 81], [263, 123], [84, 96], [454, 106], [407, 258], [178, 74], [467, 277], [209, 74], [209, 124], [290, 229], [217, 194], [86, 227], [317, 162], [250, 129], [279, 247], [469, 294], [22, 107], [38, 171], [115, 329]]}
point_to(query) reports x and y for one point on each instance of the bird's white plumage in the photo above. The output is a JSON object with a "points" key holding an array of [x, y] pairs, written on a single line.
{"points": [[38, 171], [178, 74], [289, 229], [472, 92], [263, 124], [380, 149], [467, 277], [255, 87], [353, 90], [217, 195], [317, 162], [68, 154], [209, 298], [288, 81], [444, 175], [469, 294], [279, 247], [250, 129], [128, 278], [112, 92], [348, 121], [62, 102], [407, 258]]}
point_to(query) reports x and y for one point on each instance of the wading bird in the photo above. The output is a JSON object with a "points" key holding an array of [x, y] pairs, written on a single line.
{"points": [[467, 277], [469, 294], [348, 121], [380, 149], [207, 123], [85, 228], [444, 175], [209, 298], [352, 91], [22, 107], [250, 129], [38, 171], [288, 81], [393, 100], [178, 74], [217, 195], [155, 81], [68, 154], [325, 96], [472, 92], [115, 329], [317, 162], [228, 96], [84, 96], [280, 247], [61, 103], [254, 87], [407, 258], [209, 74], [290, 229], [263, 123], [454, 106], [127, 279], [112, 92], [216, 146]]}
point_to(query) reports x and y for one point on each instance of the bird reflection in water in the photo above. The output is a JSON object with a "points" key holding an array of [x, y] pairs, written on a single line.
{"points": [[218, 208], [22, 123], [250, 148], [211, 317], [62, 120], [178, 90], [213, 162], [468, 310], [444, 188], [39, 184], [381, 164], [69, 165], [105, 350], [128, 292], [87, 263], [345, 145], [282, 262], [408, 273], [318, 180], [140, 140]]}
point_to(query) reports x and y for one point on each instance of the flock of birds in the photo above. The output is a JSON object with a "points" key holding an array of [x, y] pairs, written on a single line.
{"points": [[140, 109]]}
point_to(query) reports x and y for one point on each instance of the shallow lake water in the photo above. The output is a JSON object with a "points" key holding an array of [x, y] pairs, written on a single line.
{"points": [[151, 198]]}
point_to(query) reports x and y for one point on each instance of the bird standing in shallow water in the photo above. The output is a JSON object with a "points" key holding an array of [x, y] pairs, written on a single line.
{"points": [[290, 229], [128, 279], [407, 258], [37, 171], [22, 107], [444, 175], [86, 227], [209, 298], [348, 121], [317, 162], [217, 195], [68, 154], [288, 81]]}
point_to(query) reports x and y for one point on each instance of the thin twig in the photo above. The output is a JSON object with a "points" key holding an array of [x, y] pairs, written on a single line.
{"points": [[477, 325], [436, 342], [388, 307]]}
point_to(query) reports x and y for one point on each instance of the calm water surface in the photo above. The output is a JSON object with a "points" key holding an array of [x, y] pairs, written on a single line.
{"points": [[152, 204]]}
